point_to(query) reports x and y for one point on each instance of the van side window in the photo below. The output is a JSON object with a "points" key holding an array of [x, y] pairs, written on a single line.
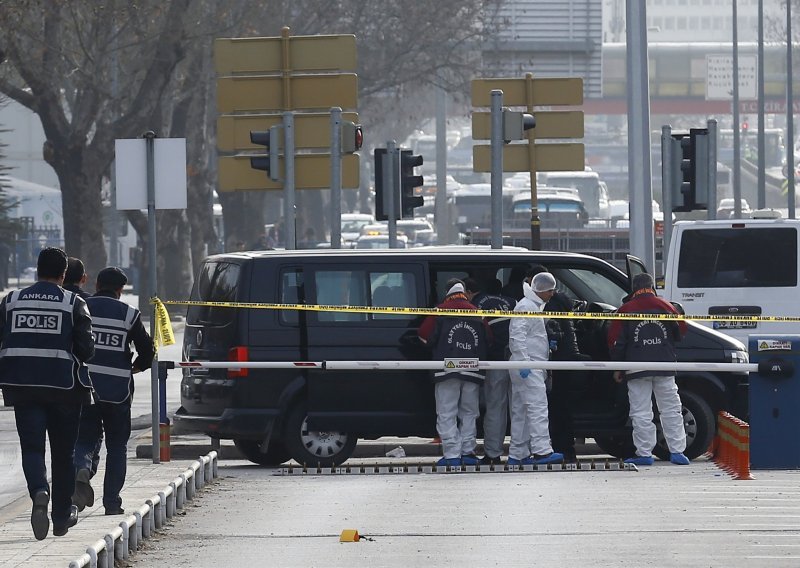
{"points": [[738, 258], [341, 288], [393, 289], [291, 292]]}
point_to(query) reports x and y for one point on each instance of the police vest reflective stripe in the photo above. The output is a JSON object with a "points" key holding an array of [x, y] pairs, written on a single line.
{"points": [[110, 368], [37, 338]]}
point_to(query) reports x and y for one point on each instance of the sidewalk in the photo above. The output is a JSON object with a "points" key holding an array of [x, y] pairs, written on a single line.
{"points": [[18, 547]]}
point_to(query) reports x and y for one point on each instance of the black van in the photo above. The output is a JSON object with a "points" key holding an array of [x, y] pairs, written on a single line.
{"points": [[316, 416]]}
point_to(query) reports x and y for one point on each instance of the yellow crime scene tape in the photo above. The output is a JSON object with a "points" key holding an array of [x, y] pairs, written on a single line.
{"points": [[163, 321]]}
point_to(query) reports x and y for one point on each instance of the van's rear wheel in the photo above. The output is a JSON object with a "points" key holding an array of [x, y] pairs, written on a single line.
{"points": [[699, 423], [618, 446], [312, 447], [276, 453]]}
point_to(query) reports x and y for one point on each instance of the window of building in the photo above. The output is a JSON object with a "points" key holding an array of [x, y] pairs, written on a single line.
{"points": [[669, 23], [681, 23]]}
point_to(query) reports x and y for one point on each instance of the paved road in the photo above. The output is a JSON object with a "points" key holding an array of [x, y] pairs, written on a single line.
{"points": [[664, 515], [12, 481]]}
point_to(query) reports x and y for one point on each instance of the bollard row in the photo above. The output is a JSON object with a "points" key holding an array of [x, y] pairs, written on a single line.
{"points": [[119, 543], [732, 446]]}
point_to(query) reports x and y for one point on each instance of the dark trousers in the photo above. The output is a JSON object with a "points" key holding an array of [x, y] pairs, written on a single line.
{"points": [[60, 423], [559, 404], [115, 421]]}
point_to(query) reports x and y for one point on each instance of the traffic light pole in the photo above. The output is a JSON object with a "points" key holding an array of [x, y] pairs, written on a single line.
{"points": [[711, 125], [497, 168], [288, 181], [391, 189], [666, 186], [149, 138], [336, 178]]}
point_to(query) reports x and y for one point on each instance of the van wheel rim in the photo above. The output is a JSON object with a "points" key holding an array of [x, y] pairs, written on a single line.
{"points": [[322, 444]]}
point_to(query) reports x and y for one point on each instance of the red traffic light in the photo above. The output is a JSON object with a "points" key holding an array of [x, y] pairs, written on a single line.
{"points": [[359, 137], [745, 126]]}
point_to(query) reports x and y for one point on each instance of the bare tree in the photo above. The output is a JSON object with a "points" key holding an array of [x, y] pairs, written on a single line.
{"points": [[98, 71]]}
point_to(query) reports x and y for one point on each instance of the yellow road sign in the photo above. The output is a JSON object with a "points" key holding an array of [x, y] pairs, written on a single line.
{"points": [[312, 171], [549, 124], [311, 130], [265, 54], [566, 91], [266, 92], [549, 158]]}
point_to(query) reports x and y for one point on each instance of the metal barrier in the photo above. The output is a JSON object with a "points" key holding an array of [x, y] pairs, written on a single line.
{"points": [[124, 539]]}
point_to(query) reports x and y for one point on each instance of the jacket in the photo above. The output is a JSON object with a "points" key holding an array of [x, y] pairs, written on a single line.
{"points": [[498, 325], [46, 336], [456, 337], [563, 329], [645, 340], [527, 337], [116, 325]]}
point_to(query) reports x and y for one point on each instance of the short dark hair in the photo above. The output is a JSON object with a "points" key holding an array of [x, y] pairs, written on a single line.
{"points": [[75, 271], [471, 285], [494, 286], [111, 278], [52, 263], [642, 281]]}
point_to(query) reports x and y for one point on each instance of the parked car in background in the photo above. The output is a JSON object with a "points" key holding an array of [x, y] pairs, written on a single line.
{"points": [[380, 242], [352, 223], [726, 206]]}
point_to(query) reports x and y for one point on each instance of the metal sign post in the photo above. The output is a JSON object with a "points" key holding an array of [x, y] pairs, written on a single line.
{"points": [[667, 147], [711, 124], [288, 182], [336, 178], [391, 190], [497, 168], [149, 138]]}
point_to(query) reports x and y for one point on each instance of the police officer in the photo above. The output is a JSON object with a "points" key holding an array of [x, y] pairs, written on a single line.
{"points": [[117, 325], [457, 391], [497, 386], [647, 341], [76, 277], [46, 336]]}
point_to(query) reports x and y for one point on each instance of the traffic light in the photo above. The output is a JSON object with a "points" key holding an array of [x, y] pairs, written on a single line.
{"points": [[268, 163], [690, 170], [515, 124], [380, 210], [408, 183], [352, 137], [745, 128]]}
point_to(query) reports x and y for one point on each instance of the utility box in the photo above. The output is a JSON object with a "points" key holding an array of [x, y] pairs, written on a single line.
{"points": [[774, 400]]}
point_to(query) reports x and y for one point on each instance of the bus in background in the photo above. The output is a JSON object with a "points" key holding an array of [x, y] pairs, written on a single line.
{"points": [[592, 191]]}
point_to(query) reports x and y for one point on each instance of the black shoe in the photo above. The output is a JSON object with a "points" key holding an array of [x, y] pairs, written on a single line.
{"points": [[61, 529], [84, 494], [40, 522], [487, 460], [115, 511]]}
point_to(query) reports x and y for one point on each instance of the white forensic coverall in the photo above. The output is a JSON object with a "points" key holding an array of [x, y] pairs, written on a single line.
{"points": [[527, 341]]}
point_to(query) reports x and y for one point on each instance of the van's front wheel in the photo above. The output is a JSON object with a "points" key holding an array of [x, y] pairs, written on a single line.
{"points": [[276, 453], [313, 447], [699, 423]]}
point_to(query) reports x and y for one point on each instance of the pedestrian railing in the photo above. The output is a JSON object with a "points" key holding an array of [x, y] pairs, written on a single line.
{"points": [[150, 517]]}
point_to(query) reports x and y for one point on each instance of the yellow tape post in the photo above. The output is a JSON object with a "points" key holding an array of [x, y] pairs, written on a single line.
{"points": [[163, 328], [482, 313]]}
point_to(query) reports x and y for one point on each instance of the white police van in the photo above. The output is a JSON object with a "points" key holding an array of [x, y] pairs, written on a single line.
{"points": [[736, 267]]}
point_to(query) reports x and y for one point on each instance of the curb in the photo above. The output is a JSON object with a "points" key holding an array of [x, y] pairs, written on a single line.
{"points": [[120, 542], [365, 450]]}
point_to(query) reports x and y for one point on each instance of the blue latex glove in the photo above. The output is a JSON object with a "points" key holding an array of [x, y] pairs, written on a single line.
{"points": [[553, 345], [524, 373]]}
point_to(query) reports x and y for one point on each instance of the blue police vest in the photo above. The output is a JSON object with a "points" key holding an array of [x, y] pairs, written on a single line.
{"points": [[37, 339], [111, 365]]}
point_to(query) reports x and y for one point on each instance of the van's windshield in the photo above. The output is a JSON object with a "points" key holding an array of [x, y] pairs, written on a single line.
{"points": [[738, 258]]}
